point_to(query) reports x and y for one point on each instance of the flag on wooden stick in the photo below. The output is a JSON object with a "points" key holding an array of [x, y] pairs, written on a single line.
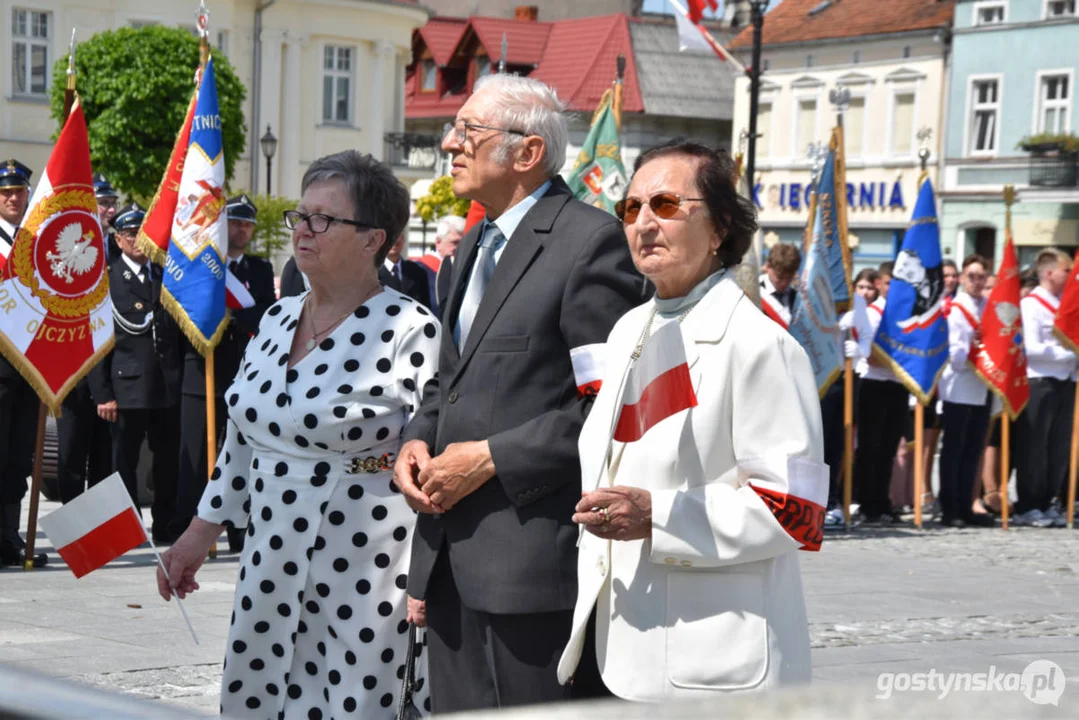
{"points": [[999, 359]]}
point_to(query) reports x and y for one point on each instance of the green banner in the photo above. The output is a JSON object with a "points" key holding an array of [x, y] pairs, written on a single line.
{"points": [[598, 177]]}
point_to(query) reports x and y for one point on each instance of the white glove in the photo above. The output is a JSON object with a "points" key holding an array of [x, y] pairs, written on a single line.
{"points": [[850, 349]]}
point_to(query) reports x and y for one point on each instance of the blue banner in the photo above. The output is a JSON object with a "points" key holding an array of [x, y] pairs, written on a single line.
{"points": [[194, 284], [814, 324], [829, 227], [913, 334]]}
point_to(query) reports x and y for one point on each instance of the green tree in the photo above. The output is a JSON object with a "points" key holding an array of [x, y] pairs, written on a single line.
{"points": [[135, 86], [440, 201]]}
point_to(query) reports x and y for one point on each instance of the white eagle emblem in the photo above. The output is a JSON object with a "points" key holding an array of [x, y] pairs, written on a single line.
{"points": [[74, 253], [1008, 313]]}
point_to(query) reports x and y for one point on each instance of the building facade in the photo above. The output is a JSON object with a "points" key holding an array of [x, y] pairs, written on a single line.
{"points": [[666, 93], [331, 77], [891, 57], [1011, 109]]}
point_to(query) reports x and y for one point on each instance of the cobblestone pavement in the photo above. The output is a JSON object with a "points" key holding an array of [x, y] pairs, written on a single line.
{"points": [[879, 600]]}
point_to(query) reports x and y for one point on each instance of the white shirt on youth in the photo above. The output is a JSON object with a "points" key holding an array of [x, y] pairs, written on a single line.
{"points": [[1046, 356], [876, 372], [958, 382]]}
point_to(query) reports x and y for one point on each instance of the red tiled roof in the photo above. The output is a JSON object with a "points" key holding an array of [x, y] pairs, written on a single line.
{"points": [[580, 62], [524, 40], [441, 36], [578, 58], [791, 22]]}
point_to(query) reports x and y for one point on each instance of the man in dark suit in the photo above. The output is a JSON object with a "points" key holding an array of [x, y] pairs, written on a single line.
{"points": [[84, 440], [137, 385], [18, 403], [490, 459], [404, 275], [256, 274], [293, 282]]}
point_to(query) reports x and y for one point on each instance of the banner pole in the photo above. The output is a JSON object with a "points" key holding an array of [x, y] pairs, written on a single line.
{"points": [[919, 466], [1074, 464], [848, 439], [211, 428], [35, 488], [1005, 466]]}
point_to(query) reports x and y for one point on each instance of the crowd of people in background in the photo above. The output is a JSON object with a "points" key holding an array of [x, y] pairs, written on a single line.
{"points": [[962, 421]]}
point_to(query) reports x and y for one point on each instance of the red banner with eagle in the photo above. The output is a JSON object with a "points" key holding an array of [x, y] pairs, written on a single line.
{"points": [[54, 288], [999, 358]]}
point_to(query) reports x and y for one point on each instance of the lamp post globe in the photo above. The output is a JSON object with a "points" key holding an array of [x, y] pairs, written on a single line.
{"points": [[269, 147]]}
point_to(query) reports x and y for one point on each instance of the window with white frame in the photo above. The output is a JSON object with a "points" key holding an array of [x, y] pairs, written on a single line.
{"points": [[1060, 8], [984, 116], [806, 129], [764, 128], [30, 33], [428, 76], [337, 84], [903, 123], [989, 13], [854, 127], [1054, 100]]}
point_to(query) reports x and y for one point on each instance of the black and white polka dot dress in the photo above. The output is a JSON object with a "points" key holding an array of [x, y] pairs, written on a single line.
{"points": [[318, 626]]}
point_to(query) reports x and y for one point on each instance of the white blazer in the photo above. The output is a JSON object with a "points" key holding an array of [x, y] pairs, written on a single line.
{"points": [[713, 601], [959, 383]]}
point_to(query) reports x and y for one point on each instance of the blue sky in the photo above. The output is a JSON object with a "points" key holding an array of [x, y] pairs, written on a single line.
{"points": [[665, 7]]}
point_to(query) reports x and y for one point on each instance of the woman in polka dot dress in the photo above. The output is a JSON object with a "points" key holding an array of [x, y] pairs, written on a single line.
{"points": [[319, 625]]}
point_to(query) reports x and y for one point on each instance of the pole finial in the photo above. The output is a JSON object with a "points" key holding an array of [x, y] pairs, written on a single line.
{"points": [[202, 22], [505, 52]]}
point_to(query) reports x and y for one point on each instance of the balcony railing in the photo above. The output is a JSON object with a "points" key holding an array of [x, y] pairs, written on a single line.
{"points": [[1053, 167], [412, 150]]}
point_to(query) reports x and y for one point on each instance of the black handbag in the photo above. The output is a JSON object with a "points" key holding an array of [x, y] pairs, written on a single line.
{"points": [[406, 707]]}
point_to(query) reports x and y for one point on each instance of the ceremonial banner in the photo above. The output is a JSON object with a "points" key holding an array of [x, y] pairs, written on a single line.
{"points": [[913, 335], [1066, 325], [658, 386], [95, 528], [999, 359], [832, 222], [54, 288], [598, 176], [194, 256], [814, 324]]}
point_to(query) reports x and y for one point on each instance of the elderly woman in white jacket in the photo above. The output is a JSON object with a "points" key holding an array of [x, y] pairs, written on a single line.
{"points": [[689, 583]]}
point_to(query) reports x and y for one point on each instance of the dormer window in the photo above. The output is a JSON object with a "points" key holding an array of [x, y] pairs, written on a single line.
{"points": [[428, 76], [483, 66]]}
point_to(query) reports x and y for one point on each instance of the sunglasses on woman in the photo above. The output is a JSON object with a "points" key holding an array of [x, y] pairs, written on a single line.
{"points": [[664, 206]]}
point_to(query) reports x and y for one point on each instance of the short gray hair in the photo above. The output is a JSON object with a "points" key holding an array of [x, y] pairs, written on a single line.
{"points": [[448, 223], [378, 198], [532, 107]]}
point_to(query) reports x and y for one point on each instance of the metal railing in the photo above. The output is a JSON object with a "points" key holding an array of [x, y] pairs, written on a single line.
{"points": [[1054, 168], [412, 150]]}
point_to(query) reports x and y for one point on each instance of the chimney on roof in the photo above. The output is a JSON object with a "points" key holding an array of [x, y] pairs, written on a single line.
{"points": [[526, 13]]}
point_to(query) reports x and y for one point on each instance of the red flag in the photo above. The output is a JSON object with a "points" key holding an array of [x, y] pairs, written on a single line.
{"points": [[54, 288], [96, 527], [999, 359], [696, 9], [1066, 325], [156, 229], [658, 386]]}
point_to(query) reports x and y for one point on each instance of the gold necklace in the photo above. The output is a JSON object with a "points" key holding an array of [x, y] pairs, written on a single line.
{"points": [[310, 345]]}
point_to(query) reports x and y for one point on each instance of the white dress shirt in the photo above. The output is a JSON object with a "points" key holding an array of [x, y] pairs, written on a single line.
{"points": [[1046, 357], [135, 267], [959, 383], [508, 221], [876, 372]]}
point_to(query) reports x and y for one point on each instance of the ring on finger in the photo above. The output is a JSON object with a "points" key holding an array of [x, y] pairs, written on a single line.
{"points": [[605, 514]]}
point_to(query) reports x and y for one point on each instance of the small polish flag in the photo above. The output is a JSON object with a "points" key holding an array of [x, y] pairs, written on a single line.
{"points": [[96, 527], [692, 35], [588, 368], [863, 328], [658, 386], [237, 297]]}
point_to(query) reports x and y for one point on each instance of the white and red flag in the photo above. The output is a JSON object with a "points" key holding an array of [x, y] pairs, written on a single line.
{"points": [[694, 36], [588, 367], [659, 385], [54, 287], [95, 528]]}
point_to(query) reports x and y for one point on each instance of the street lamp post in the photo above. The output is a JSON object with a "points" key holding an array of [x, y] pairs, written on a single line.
{"points": [[756, 10], [269, 147]]}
